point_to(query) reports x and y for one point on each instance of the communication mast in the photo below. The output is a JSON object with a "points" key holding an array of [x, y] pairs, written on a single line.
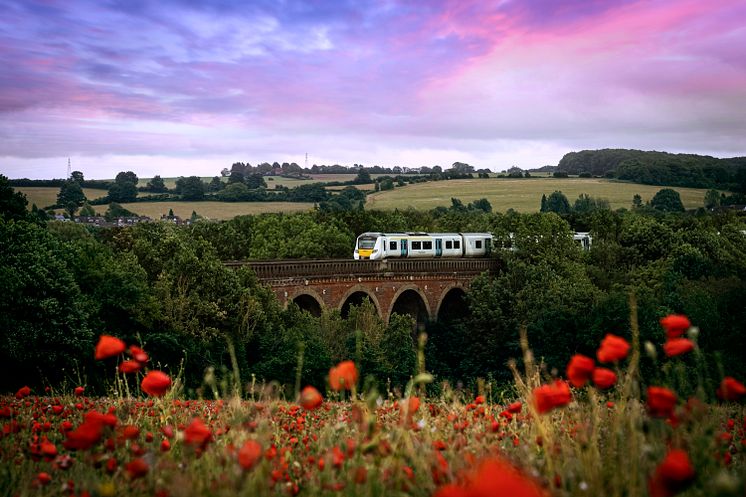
{"points": [[69, 169], [306, 160]]}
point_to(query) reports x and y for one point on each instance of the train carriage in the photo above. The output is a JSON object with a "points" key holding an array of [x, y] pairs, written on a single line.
{"points": [[374, 246]]}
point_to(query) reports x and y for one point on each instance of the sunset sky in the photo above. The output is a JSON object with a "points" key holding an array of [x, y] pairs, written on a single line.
{"points": [[187, 87]]}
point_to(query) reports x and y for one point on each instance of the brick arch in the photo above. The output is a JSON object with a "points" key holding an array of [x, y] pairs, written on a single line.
{"points": [[364, 289], [403, 289], [441, 298], [311, 292]]}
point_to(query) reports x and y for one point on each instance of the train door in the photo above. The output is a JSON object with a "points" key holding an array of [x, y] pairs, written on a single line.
{"points": [[487, 246], [404, 248], [438, 247]]}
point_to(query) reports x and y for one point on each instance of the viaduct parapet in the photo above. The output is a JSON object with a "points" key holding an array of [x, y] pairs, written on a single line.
{"points": [[426, 289]]}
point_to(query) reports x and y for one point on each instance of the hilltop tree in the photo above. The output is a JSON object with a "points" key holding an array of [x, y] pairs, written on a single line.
{"points": [[77, 176], [124, 188], [215, 185], [191, 188], [157, 185], [636, 201]]}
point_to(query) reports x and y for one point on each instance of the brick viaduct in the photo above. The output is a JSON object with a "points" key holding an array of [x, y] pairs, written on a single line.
{"points": [[426, 289]]}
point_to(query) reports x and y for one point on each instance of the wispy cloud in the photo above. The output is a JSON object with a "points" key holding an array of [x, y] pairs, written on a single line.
{"points": [[390, 82]]}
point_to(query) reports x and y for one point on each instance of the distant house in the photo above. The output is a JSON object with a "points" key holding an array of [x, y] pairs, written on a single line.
{"points": [[92, 220]]}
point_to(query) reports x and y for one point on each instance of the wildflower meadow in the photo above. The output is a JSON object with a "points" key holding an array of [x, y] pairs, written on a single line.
{"points": [[598, 428]]}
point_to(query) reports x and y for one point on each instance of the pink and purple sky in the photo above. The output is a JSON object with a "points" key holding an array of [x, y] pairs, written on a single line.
{"points": [[181, 87]]}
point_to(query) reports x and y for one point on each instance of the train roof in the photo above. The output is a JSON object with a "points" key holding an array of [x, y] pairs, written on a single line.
{"points": [[421, 233]]}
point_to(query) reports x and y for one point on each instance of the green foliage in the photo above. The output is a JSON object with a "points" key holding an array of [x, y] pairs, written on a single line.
{"points": [[71, 196], [44, 317], [124, 188], [87, 210], [667, 200], [115, 211], [12, 204], [557, 202], [191, 188], [657, 168], [712, 199], [156, 185]]}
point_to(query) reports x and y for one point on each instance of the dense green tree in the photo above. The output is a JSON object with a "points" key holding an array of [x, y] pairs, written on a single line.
{"points": [[43, 316], [636, 201], [124, 188], [254, 181], [216, 184], [667, 200], [191, 188], [12, 203], [115, 211], [126, 177], [157, 185], [87, 210], [77, 177], [712, 198], [557, 202], [70, 196]]}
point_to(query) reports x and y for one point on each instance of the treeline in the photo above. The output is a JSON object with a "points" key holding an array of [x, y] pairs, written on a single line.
{"points": [[659, 168], [61, 285]]}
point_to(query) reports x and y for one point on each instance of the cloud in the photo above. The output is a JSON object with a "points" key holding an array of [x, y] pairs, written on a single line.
{"points": [[373, 82]]}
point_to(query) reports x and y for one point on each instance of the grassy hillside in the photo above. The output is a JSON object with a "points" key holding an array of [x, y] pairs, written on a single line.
{"points": [[43, 196], [523, 195]]}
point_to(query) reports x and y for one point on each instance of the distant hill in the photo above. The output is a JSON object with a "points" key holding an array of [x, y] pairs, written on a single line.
{"points": [[659, 168]]}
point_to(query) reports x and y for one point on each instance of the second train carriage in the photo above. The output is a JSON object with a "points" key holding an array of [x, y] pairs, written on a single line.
{"points": [[375, 246]]}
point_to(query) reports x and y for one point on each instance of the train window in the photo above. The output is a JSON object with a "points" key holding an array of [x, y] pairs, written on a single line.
{"points": [[392, 245], [457, 244], [416, 245], [449, 244], [478, 244], [427, 245]]}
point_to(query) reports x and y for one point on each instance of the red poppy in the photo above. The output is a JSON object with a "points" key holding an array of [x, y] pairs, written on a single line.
{"points": [[515, 407], [109, 346], [79, 391], [672, 475], [494, 477], [480, 399], [731, 389], [677, 346], [675, 325], [613, 349], [579, 370], [23, 392], [155, 383], [43, 478], [604, 378], [310, 398], [547, 397], [84, 436], [249, 454], [343, 376], [130, 367], [197, 433], [138, 354], [137, 468], [661, 402]]}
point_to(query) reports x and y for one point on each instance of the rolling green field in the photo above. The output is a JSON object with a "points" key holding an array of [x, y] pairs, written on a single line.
{"points": [[43, 196], [523, 195]]}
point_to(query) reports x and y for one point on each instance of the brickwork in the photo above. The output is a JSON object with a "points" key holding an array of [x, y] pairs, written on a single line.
{"points": [[332, 283]]}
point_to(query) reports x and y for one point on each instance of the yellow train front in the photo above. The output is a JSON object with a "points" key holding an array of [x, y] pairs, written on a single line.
{"points": [[375, 246]]}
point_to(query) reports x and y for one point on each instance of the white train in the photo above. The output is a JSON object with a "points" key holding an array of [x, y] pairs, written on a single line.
{"points": [[414, 244]]}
